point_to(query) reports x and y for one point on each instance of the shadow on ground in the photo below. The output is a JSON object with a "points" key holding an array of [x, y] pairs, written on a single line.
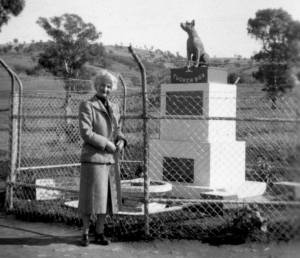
{"points": [[40, 239]]}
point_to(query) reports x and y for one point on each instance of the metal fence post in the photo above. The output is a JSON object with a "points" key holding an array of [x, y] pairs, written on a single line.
{"points": [[146, 140], [13, 136], [122, 119]]}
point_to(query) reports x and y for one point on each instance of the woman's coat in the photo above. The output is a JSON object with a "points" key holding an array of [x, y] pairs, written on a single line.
{"points": [[98, 126]]}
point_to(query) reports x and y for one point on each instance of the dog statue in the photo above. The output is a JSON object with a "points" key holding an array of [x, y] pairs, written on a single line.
{"points": [[195, 49]]}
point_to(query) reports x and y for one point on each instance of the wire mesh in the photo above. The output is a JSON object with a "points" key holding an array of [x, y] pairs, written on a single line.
{"points": [[206, 156], [217, 160]]}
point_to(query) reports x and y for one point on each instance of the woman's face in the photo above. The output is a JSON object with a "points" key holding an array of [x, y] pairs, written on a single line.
{"points": [[103, 87]]}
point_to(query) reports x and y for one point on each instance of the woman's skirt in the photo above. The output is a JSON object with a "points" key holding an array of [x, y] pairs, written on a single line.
{"points": [[94, 192]]}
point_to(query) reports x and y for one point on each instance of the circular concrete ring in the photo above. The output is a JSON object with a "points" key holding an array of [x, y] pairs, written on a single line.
{"points": [[137, 186]]}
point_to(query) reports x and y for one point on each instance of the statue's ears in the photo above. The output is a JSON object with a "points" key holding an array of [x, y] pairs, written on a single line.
{"points": [[193, 22]]}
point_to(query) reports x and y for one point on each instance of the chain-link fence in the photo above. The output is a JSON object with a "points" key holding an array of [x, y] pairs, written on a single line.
{"points": [[234, 169], [222, 167]]}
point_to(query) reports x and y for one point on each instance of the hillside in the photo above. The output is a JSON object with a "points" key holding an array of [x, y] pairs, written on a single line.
{"points": [[119, 60]]}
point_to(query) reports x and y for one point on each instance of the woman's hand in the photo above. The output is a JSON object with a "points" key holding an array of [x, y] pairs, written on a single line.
{"points": [[120, 145], [110, 147]]}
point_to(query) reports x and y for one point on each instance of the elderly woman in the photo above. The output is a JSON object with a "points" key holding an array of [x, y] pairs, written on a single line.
{"points": [[100, 131]]}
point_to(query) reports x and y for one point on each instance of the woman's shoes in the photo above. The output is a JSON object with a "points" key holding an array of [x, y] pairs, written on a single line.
{"points": [[85, 240], [100, 239]]}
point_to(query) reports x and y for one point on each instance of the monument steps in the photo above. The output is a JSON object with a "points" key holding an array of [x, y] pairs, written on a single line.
{"points": [[247, 189], [218, 195]]}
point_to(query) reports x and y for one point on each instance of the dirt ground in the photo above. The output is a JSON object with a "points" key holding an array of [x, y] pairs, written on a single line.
{"points": [[28, 239]]}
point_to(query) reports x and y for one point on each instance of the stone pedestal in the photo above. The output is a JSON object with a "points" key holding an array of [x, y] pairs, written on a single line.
{"points": [[187, 105], [196, 154]]}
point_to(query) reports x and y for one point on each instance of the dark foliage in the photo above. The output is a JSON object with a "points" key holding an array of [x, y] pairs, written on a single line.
{"points": [[280, 52], [73, 44], [8, 8]]}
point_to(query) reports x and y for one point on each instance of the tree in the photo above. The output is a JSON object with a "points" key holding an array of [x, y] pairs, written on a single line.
{"points": [[279, 35], [72, 44], [8, 8]]}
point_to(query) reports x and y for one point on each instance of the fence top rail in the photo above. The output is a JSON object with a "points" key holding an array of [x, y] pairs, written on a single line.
{"points": [[241, 201], [178, 117], [48, 167], [66, 165]]}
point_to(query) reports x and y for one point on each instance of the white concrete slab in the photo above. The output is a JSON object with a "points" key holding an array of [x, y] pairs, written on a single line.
{"points": [[216, 164]]}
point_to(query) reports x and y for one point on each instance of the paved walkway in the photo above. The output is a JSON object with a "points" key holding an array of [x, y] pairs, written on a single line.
{"points": [[28, 239]]}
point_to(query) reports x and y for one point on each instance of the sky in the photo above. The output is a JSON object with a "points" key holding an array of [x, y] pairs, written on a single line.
{"points": [[221, 24]]}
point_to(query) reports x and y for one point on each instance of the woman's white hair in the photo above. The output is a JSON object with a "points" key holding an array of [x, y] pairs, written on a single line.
{"points": [[105, 76]]}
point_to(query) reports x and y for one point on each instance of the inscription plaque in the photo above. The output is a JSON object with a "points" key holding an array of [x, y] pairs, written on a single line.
{"points": [[178, 170], [189, 75], [202, 74], [184, 103]]}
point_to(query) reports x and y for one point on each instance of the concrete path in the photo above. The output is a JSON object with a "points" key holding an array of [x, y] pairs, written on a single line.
{"points": [[28, 239]]}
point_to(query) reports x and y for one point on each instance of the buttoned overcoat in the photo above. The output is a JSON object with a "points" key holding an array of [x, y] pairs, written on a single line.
{"points": [[99, 178]]}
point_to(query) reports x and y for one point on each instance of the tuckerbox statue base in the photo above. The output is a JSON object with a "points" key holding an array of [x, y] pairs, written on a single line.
{"points": [[197, 150]]}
